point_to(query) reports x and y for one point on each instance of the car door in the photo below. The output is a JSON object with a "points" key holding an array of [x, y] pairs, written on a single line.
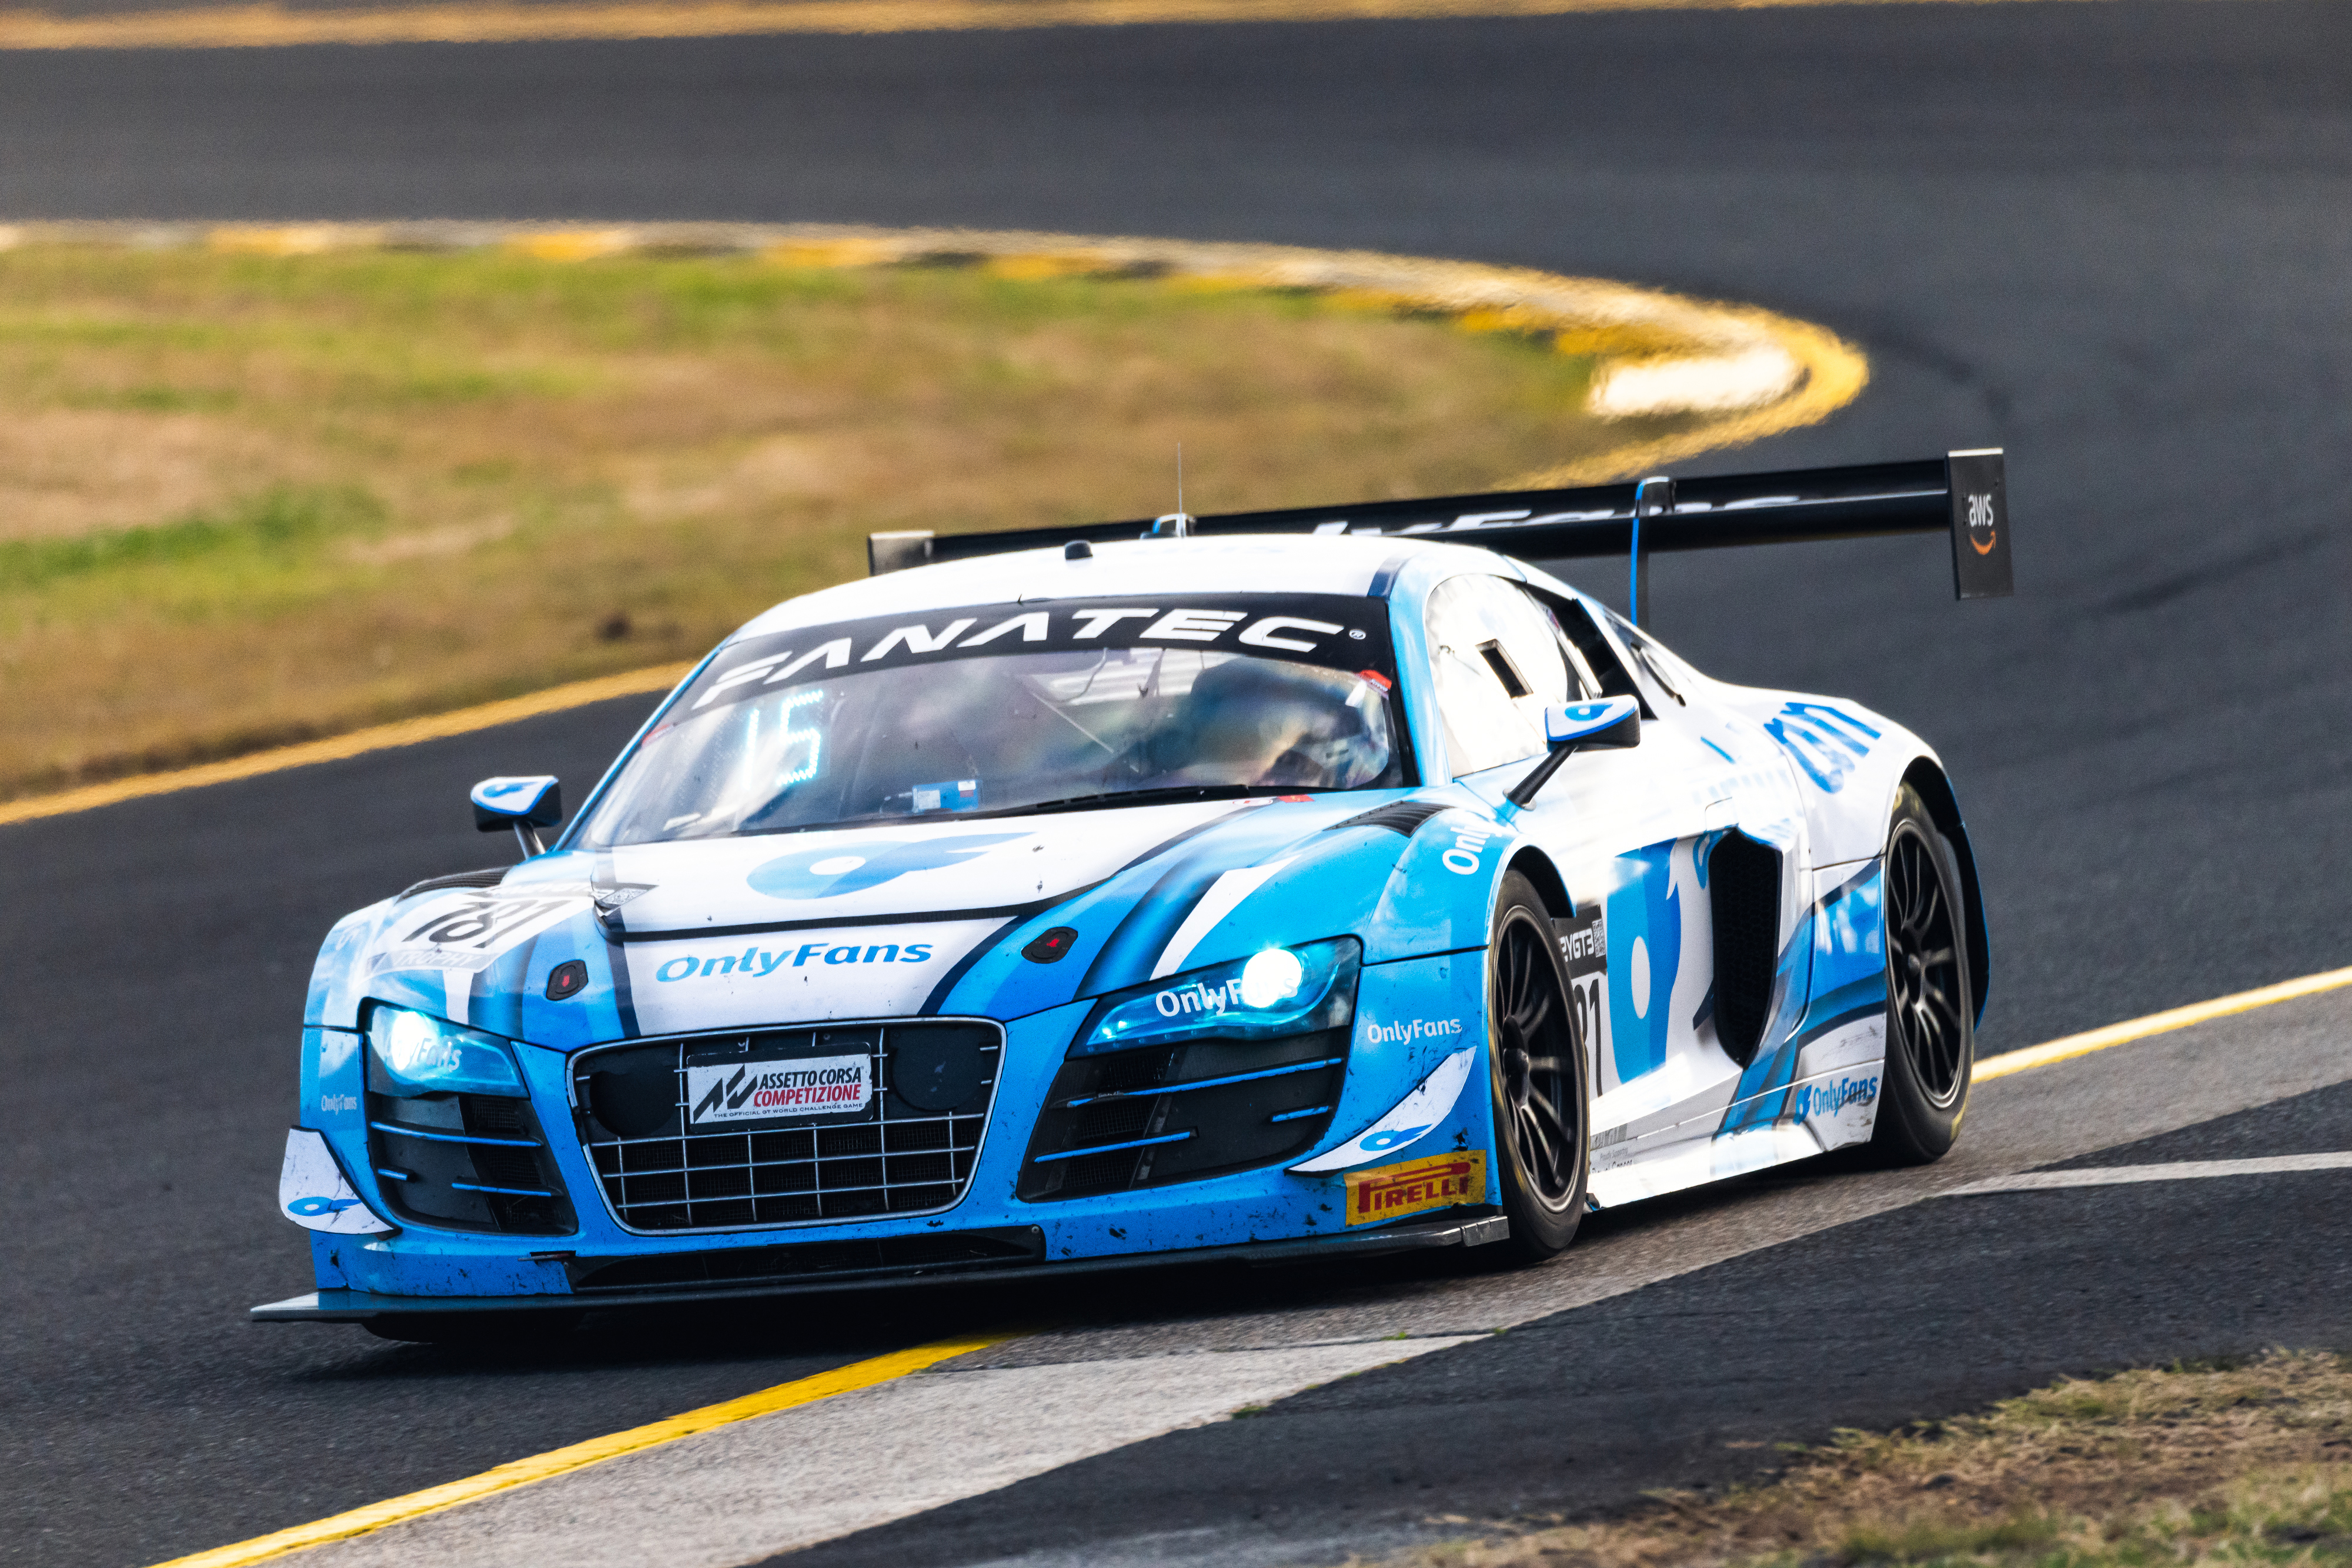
{"points": [[1634, 834]]}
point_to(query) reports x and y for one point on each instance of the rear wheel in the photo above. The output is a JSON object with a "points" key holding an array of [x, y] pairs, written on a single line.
{"points": [[1930, 1021], [1536, 1068]]}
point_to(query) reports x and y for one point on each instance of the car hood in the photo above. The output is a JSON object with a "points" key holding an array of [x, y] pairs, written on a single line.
{"points": [[931, 869], [909, 918]]}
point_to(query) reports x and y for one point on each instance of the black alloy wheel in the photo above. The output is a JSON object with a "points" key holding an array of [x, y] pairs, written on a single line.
{"points": [[1542, 1132], [1930, 1019]]}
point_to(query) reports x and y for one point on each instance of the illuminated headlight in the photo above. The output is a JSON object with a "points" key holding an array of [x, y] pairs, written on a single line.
{"points": [[416, 1053], [1276, 992]]}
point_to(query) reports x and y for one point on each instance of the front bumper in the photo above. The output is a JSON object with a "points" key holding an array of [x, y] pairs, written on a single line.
{"points": [[349, 1306]]}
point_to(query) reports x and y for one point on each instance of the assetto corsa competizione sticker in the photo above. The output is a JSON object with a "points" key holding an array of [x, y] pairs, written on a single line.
{"points": [[764, 1091]]}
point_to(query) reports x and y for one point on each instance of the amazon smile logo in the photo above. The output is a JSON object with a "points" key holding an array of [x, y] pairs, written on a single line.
{"points": [[1981, 516]]}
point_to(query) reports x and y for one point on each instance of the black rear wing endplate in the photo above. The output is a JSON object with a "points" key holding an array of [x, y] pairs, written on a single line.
{"points": [[1962, 493]]}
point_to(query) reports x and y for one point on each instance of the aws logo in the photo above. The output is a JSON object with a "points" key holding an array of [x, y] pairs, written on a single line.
{"points": [[1980, 516], [840, 870]]}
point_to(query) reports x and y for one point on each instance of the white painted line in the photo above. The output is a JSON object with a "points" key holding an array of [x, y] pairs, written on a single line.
{"points": [[2176, 1170]]}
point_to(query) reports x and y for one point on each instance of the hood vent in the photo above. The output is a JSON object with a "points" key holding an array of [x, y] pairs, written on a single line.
{"points": [[1403, 817]]}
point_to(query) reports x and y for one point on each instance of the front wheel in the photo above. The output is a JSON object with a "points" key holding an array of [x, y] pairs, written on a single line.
{"points": [[1542, 1131], [1930, 1025]]}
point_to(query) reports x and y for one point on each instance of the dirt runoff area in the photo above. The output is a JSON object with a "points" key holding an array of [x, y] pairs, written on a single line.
{"points": [[2247, 1463]]}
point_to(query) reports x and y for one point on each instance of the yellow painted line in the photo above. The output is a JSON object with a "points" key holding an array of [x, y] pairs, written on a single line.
{"points": [[334, 748], [504, 21], [540, 1467], [2124, 1034]]}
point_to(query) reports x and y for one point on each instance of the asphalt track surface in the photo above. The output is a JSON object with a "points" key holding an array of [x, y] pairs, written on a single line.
{"points": [[2110, 237]]}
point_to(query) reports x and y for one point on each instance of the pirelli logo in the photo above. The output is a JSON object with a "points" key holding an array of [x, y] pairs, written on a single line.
{"points": [[1386, 1192]]}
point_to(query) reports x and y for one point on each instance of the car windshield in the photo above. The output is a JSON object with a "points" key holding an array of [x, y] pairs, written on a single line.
{"points": [[1066, 705]]}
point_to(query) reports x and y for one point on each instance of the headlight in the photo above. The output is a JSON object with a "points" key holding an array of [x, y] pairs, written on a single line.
{"points": [[416, 1053], [1278, 991]]}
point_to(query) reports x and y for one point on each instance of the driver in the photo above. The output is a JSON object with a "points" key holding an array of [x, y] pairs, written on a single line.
{"points": [[1251, 721]]}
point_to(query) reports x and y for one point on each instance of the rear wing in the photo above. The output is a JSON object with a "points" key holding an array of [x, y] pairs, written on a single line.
{"points": [[1962, 493]]}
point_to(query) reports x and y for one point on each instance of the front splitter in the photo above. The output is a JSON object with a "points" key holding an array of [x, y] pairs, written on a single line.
{"points": [[342, 1306]]}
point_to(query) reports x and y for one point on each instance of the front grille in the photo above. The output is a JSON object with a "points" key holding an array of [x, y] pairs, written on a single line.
{"points": [[1168, 1113], [465, 1162], [809, 1260], [671, 1156]]}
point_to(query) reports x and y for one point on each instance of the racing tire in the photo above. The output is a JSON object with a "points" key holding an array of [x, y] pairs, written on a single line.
{"points": [[1543, 1125], [1930, 1023], [503, 1331]]}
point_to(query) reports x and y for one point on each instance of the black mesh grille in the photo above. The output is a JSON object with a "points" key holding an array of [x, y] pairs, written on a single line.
{"points": [[910, 1150], [1183, 1113]]}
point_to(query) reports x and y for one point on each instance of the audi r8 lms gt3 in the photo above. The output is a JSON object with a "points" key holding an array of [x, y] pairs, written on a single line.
{"points": [[1310, 883]]}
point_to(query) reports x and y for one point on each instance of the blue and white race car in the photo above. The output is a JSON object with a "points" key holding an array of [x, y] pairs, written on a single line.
{"points": [[1311, 884]]}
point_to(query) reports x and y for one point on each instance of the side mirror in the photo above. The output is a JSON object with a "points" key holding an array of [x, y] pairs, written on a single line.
{"points": [[1611, 723], [526, 805]]}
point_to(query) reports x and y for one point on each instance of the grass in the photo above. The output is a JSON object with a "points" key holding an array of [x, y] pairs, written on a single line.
{"points": [[250, 499], [2244, 1463]]}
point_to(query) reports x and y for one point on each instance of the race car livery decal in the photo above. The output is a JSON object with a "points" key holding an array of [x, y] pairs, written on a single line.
{"points": [[1645, 920], [871, 971], [1584, 946], [1825, 741], [1839, 947], [468, 929], [1416, 1116], [1392, 1192], [313, 1192], [1824, 1098], [832, 872], [767, 885], [1341, 632], [762, 961]]}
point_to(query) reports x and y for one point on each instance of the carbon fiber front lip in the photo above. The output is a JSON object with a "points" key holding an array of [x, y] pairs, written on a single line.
{"points": [[358, 1306]]}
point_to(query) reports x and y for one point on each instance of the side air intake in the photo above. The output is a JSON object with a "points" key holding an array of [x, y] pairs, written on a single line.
{"points": [[1743, 883]]}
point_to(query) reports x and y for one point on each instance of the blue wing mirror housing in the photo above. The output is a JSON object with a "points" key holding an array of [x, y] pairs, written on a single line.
{"points": [[1611, 723], [525, 804]]}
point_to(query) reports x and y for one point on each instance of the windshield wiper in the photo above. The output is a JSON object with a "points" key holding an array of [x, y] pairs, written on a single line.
{"points": [[1147, 797]]}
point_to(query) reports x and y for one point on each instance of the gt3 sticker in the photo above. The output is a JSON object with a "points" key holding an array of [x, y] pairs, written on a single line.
{"points": [[1584, 944]]}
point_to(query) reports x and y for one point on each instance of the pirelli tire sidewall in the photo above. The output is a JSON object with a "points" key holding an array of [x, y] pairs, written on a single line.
{"points": [[1541, 1227]]}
